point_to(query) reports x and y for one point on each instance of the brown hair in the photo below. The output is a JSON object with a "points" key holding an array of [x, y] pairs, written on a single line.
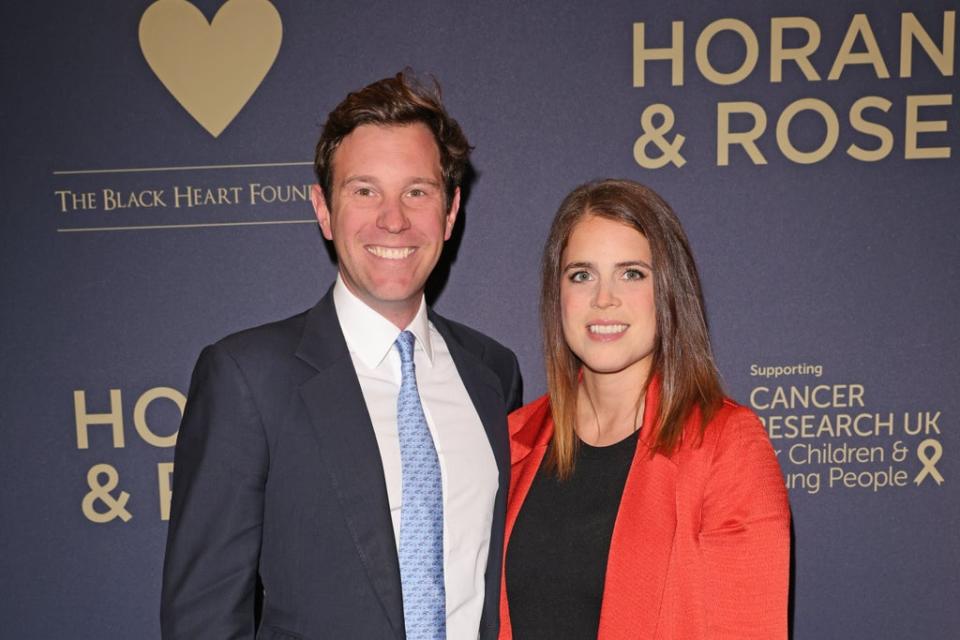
{"points": [[682, 356], [400, 100]]}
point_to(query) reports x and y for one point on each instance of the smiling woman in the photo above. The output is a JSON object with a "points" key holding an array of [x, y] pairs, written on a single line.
{"points": [[642, 502], [608, 315], [615, 225]]}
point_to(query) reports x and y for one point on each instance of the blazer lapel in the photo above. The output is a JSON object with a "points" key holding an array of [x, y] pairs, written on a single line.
{"points": [[643, 534], [351, 456], [534, 428], [642, 541], [530, 431]]}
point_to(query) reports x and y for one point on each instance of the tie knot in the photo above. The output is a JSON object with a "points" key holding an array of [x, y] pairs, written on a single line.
{"points": [[405, 345]]}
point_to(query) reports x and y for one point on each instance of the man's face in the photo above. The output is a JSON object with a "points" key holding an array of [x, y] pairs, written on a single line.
{"points": [[389, 219]]}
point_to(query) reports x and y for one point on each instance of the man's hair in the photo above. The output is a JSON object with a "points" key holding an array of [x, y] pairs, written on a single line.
{"points": [[682, 358], [400, 100]]}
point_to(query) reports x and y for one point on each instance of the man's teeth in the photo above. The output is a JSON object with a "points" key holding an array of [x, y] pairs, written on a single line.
{"points": [[391, 253], [607, 328]]}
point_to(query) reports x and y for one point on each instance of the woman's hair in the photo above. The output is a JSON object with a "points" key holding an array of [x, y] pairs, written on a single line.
{"points": [[682, 359], [397, 101]]}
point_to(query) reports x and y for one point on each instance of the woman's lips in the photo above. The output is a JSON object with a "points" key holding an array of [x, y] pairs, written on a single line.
{"points": [[606, 331]]}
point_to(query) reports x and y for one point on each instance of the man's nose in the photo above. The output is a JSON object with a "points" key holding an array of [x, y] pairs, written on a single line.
{"points": [[391, 217]]}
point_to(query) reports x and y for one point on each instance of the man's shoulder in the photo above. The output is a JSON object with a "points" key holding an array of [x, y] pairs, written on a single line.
{"points": [[267, 356], [272, 338], [492, 355], [477, 343]]}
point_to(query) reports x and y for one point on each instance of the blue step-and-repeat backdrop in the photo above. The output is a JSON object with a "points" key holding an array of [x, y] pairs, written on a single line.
{"points": [[156, 170]]}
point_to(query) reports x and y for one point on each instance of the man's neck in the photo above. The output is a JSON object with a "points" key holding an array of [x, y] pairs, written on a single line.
{"points": [[400, 313]]}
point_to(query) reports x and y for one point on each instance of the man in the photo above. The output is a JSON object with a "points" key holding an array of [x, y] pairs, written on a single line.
{"points": [[354, 457]]}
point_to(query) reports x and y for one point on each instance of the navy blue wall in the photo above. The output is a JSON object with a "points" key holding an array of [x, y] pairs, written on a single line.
{"points": [[842, 272]]}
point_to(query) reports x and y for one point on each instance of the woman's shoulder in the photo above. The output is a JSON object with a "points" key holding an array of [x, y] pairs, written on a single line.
{"points": [[531, 414], [530, 426], [729, 423], [735, 430], [733, 420]]}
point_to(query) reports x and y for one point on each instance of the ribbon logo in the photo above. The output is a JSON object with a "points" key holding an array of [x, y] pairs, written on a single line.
{"points": [[929, 461]]}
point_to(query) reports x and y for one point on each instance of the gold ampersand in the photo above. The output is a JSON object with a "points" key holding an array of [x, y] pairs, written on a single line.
{"points": [[116, 507], [669, 150]]}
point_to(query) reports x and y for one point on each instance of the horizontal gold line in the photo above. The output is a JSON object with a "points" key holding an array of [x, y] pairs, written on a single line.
{"points": [[151, 227], [78, 172]]}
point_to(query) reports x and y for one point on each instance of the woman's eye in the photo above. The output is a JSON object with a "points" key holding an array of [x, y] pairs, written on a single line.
{"points": [[634, 274], [579, 276]]}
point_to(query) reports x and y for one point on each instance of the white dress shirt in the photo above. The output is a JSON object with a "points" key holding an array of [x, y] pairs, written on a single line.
{"points": [[467, 466]]}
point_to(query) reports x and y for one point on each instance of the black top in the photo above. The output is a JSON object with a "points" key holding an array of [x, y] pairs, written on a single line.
{"points": [[557, 558]]}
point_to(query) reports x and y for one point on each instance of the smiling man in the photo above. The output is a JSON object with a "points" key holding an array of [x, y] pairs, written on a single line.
{"points": [[353, 459]]}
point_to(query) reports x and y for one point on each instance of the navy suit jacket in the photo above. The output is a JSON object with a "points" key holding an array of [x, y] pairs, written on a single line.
{"points": [[278, 475]]}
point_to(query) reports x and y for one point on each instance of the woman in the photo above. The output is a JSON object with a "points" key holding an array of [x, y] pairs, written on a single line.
{"points": [[643, 504]]}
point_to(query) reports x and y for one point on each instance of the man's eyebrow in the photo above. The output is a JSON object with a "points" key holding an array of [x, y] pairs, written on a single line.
{"points": [[433, 182], [359, 178]]}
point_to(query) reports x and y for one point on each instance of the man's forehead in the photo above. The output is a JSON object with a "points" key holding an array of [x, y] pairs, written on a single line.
{"points": [[376, 130], [405, 133], [390, 145]]}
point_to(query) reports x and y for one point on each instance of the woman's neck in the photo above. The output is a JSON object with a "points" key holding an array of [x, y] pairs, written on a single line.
{"points": [[610, 405]]}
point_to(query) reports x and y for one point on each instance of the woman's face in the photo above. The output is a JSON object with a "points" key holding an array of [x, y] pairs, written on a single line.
{"points": [[606, 297]]}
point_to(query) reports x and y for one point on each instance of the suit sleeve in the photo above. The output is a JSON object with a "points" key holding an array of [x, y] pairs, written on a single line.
{"points": [[216, 513], [514, 395], [745, 535]]}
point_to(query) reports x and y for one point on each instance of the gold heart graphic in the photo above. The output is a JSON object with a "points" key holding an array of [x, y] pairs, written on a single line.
{"points": [[212, 69]]}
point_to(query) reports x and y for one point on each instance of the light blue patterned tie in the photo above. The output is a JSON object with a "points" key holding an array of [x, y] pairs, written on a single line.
{"points": [[421, 512]]}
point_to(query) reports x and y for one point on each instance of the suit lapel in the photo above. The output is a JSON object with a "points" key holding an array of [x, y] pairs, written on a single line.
{"points": [[642, 541], [485, 392], [351, 457]]}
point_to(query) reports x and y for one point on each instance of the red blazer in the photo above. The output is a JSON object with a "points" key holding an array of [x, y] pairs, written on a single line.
{"points": [[701, 543]]}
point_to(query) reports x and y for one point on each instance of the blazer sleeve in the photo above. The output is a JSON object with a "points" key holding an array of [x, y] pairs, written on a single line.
{"points": [[745, 535], [216, 513]]}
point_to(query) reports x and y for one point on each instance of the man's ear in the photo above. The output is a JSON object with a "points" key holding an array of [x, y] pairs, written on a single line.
{"points": [[451, 218], [321, 211]]}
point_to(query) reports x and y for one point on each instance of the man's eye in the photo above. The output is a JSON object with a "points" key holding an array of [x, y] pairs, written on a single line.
{"points": [[634, 274], [363, 191], [417, 193], [579, 276]]}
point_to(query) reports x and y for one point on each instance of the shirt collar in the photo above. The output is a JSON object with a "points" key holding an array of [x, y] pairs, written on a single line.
{"points": [[369, 335]]}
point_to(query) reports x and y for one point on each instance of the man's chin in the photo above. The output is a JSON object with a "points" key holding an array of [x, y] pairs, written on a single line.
{"points": [[396, 294]]}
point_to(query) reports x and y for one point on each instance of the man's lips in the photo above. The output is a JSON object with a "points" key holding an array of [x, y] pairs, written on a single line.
{"points": [[390, 253]]}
